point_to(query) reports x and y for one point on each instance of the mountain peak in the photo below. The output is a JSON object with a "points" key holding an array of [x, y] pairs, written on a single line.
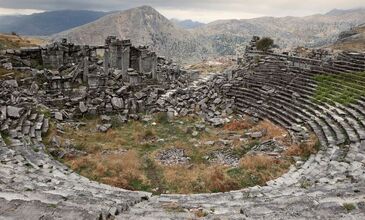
{"points": [[145, 8], [337, 12]]}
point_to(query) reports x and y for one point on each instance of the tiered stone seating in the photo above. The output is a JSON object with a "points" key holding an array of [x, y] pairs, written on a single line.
{"points": [[33, 184], [315, 190], [336, 126]]}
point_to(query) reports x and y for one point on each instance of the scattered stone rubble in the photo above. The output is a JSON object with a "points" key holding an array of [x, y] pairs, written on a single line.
{"points": [[205, 99], [271, 148], [129, 80], [224, 157], [278, 87], [173, 156]]}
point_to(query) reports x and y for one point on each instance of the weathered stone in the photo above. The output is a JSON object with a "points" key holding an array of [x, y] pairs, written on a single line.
{"points": [[229, 111], [217, 101], [11, 83], [8, 66], [3, 114], [160, 102], [216, 121], [34, 88], [103, 127], [45, 126], [147, 118], [108, 108], [82, 106], [58, 116], [105, 118], [200, 127], [14, 112], [117, 73], [257, 134], [122, 90], [117, 103]]}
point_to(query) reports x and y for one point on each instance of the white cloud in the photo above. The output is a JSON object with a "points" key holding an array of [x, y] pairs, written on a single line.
{"points": [[11, 11]]}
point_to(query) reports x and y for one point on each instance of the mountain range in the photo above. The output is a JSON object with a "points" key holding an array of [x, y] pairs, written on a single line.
{"points": [[189, 41], [145, 25], [47, 23], [187, 24]]}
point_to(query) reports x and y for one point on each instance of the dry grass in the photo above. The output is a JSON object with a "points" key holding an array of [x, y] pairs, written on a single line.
{"points": [[117, 170], [142, 135], [183, 180], [264, 167], [272, 131], [199, 179], [137, 169], [253, 170], [257, 162], [200, 213], [97, 141], [238, 125], [14, 41], [218, 181], [88, 139], [311, 146]]}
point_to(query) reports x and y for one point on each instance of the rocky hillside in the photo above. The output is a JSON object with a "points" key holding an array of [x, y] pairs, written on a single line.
{"points": [[353, 39], [15, 41], [144, 25], [310, 31]]}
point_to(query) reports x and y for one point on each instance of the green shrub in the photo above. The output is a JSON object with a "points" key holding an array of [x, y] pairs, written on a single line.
{"points": [[349, 206], [264, 44], [6, 138]]}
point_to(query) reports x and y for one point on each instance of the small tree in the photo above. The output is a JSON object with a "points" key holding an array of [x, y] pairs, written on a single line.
{"points": [[264, 44]]}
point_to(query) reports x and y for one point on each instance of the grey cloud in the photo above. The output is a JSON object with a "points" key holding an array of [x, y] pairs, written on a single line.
{"points": [[268, 7]]}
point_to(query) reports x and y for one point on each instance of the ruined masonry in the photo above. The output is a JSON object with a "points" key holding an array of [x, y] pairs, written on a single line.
{"points": [[73, 81]]}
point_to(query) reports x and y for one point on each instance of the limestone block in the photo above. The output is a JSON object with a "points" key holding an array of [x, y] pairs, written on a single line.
{"points": [[14, 112]]}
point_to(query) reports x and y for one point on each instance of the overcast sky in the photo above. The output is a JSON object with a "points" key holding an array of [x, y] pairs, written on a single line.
{"points": [[200, 10]]}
